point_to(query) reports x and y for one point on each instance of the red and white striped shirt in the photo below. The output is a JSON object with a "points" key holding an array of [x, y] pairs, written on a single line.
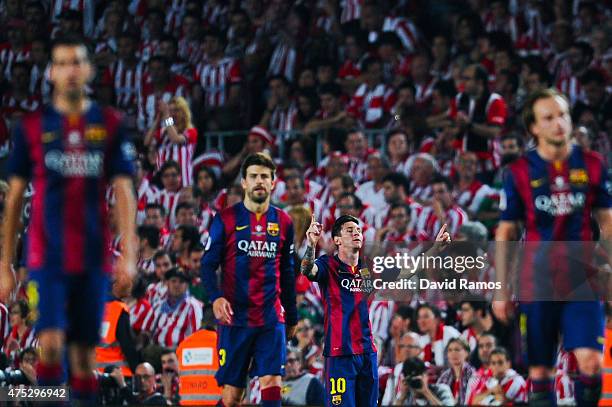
{"points": [[282, 119], [513, 385], [27, 340], [169, 326], [284, 61], [157, 293], [433, 349], [216, 79], [127, 83], [423, 92], [11, 105], [507, 24], [39, 82], [351, 10], [420, 192], [405, 30], [149, 99], [169, 200], [190, 51], [380, 313], [428, 224], [472, 197], [147, 194], [147, 266], [181, 153], [86, 7], [570, 86], [138, 313], [470, 337], [369, 105], [8, 56]]}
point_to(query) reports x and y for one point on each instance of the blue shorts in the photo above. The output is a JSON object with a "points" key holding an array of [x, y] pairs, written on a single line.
{"points": [[579, 324], [259, 351], [351, 380], [72, 303]]}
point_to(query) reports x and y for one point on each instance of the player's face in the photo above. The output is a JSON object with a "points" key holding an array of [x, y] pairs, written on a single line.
{"points": [[177, 287], [350, 237], [553, 123], [258, 183], [485, 346], [70, 70], [498, 365]]}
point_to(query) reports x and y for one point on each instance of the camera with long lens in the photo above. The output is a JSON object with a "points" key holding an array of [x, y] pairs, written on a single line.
{"points": [[9, 377], [413, 369]]}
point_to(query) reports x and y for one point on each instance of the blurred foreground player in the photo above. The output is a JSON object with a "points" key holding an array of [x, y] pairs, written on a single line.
{"points": [[552, 192], [71, 150], [252, 241]]}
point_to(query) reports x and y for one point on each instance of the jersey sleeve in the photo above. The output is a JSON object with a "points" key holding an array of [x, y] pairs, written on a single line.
{"points": [[20, 162], [212, 258], [122, 153], [322, 275], [603, 190], [287, 277], [510, 204]]}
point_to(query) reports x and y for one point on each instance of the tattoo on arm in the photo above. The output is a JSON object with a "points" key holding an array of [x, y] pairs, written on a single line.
{"points": [[307, 264]]}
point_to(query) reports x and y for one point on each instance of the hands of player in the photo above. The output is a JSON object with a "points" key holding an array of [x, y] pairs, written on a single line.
{"points": [[125, 271], [442, 239], [313, 234], [7, 282], [223, 310]]}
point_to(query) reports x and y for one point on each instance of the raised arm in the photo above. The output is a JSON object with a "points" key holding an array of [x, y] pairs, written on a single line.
{"points": [[308, 267]]}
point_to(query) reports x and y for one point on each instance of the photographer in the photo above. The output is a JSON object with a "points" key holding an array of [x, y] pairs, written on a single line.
{"points": [[415, 390], [144, 388]]}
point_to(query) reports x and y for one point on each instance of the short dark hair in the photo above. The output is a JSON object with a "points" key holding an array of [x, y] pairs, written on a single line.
{"points": [[258, 159], [337, 228], [166, 351], [155, 205], [513, 136], [24, 308], [481, 74], [330, 89], [190, 234], [184, 205], [430, 307], [199, 247], [400, 205], [500, 351], [71, 41], [279, 77], [528, 112], [149, 233], [295, 177], [477, 304], [159, 254], [398, 179], [168, 165], [357, 203], [161, 59], [441, 179]]}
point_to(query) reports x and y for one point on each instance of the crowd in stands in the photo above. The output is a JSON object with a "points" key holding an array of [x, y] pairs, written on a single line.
{"points": [[401, 113]]}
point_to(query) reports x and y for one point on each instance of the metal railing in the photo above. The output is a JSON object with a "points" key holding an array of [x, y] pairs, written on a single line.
{"points": [[219, 139]]}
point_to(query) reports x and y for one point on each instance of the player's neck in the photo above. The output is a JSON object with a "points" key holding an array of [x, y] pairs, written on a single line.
{"points": [[257, 208], [551, 152], [65, 105], [349, 257]]}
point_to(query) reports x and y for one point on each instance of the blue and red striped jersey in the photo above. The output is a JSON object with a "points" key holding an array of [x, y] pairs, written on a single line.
{"points": [[70, 161], [257, 265], [344, 290], [555, 200]]}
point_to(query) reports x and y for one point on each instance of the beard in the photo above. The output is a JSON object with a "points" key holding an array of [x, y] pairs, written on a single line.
{"points": [[259, 199], [508, 158]]}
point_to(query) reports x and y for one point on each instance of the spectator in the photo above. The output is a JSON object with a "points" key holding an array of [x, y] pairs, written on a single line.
{"points": [[145, 191], [155, 215], [475, 319], [189, 47], [281, 109], [458, 375], [397, 230], [178, 316], [311, 353], [505, 386], [435, 336], [372, 192], [170, 173], [373, 100], [357, 150], [138, 305], [15, 49], [331, 114], [175, 136], [157, 291], [408, 348], [148, 242], [443, 210], [28, 362], [300, 387], [296, 197], [159, 85], [168, 48], [184, 238], [421, 169], [146, 393], [470, 193], [483, 123], [18, 100], [169, 376], [22, 334], [416, 390]]}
